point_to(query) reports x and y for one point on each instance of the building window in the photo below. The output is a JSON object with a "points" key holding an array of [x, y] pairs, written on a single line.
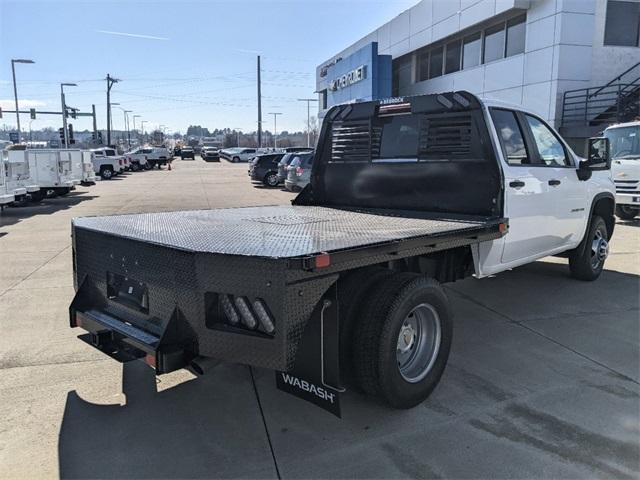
{"points": [[423, 65], [452, 58], [622, 27], [516, 28], [401, 73], [493, 43], [471, 51], [435, 62]]}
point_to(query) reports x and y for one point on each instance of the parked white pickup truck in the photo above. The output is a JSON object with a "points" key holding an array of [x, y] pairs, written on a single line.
{"points": [[405, 194], [107, 163], [625, 167], [138, 159]]}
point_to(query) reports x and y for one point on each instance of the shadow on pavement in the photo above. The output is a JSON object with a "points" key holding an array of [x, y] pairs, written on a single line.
{"points": [[13, 215], [203, 428]]}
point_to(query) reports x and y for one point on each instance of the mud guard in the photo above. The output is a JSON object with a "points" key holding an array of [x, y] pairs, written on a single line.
{"points": [[316, 374]]}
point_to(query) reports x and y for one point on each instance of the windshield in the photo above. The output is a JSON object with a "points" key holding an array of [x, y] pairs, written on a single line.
{"points": [[625, 142]]}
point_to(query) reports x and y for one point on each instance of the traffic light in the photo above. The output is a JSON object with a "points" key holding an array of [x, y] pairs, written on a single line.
{"points": [[100, 137], [61, 132], [0, 112], [70, 133], [32, 111], [73, 113]]}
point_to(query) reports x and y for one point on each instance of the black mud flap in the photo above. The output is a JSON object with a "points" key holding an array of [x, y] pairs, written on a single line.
{"points": [[316, 374]]}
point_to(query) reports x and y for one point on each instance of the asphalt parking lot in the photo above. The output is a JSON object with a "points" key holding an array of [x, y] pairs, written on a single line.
{"points": [[542, 382]]}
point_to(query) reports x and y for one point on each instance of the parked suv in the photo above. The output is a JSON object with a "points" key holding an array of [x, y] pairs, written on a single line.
{"points": [[264, 169], [210, 154], [299, 172], [283, 164]]}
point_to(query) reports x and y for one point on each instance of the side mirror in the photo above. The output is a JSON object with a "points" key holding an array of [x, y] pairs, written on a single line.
{"points": [[598, 157]]}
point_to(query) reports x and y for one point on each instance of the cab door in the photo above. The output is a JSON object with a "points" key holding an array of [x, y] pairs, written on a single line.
{"points": [[529, 200], [567, 192]]}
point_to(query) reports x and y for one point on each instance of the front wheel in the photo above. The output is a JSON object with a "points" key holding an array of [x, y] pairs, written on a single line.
{"points": [[625, 212], [402, 340], [135, 167], [235, 159], [587, 261]]}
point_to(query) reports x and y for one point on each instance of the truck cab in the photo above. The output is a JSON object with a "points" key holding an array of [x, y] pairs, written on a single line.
{"points": [[624, 139], [550, 193]]}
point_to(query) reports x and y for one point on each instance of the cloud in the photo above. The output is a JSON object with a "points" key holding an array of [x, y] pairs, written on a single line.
{"points": [[134, 35], [10, 104]]}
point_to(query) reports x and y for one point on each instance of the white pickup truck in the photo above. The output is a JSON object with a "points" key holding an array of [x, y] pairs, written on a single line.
{"points": [[405, 194], [138, 158], [106, 162], [625, 167]]}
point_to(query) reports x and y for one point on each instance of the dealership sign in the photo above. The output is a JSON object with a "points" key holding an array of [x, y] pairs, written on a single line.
{"points": [[354, 76]]}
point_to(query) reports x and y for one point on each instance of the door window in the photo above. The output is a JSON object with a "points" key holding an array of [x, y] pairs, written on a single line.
{"points": [[550, 149], [511, 139]]}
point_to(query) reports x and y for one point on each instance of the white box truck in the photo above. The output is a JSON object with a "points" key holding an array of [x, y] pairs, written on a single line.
{"points": [[88, 175], [18, 180], [625, 153]]}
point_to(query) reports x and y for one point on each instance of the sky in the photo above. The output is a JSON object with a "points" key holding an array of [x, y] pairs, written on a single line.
{"points": [[180, 63]]}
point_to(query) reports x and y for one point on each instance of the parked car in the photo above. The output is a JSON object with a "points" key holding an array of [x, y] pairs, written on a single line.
{"points": [[210, 154], [138, 158], [176, 151], [344, 287], [299, 172], [264, 169], [187, 152], [106, 162], [243, 155], [285, 161], [625, 167]]}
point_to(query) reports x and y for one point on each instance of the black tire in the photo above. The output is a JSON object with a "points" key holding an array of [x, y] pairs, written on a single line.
{"points": [[352, 291], [587, 261], [37, 196], [624, 212], [106, 173], [135, 167], [375, 343], [271, 179], [235, 159]]}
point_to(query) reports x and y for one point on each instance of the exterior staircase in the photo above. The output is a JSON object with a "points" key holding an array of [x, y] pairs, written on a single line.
{"points": [[588, 111]]}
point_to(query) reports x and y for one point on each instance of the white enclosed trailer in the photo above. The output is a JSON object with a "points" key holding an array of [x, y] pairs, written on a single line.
{"points": [[18, 180], [51, 171]]}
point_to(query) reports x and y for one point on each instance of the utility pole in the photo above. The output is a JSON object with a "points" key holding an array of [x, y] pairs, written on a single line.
{"points": [[126, 121], [110, 82], [142, 122], [95, 123], [259, 108], [64, 112], [308, 100], [275, 128], [135, 132], [15, 89]]}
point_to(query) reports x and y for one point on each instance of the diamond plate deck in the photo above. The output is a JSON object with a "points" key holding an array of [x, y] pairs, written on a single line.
{"points": [[272, 232]]}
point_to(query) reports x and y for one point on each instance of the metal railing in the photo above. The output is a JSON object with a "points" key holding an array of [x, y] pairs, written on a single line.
{"points": [[616, 101], [601, 105]]}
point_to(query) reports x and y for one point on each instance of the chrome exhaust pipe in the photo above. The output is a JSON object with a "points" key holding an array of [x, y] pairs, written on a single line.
{"points": [[201, 365]]}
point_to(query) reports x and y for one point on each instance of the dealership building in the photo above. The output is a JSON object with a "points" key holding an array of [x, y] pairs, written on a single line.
{"points": [[574, 62]]}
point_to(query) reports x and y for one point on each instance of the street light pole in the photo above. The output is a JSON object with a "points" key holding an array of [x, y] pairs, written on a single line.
{"points": [[134, 127], [110, 82], [275, 128], [142, 128], [126, 121], [308, 100], [64, 112], [15, 88]]}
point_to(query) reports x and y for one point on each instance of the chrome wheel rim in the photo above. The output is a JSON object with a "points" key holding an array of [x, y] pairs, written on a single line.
{"points": [[418, 343], [599, 249]]}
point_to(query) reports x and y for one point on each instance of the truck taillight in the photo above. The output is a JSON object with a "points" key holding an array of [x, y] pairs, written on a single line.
{"points": [[120, 161], [299, 171]]}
